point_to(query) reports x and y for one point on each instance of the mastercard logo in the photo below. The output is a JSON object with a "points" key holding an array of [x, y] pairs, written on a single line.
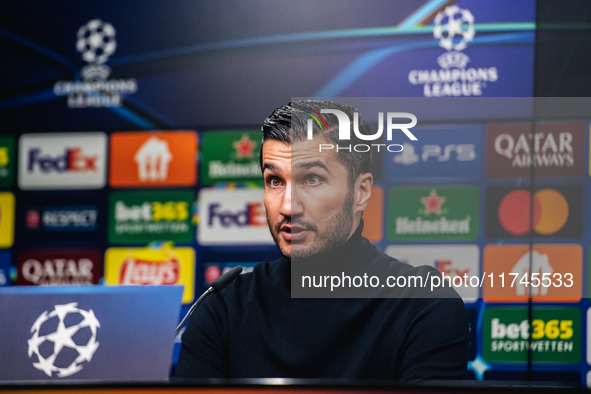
{"points": [[550, 212]]}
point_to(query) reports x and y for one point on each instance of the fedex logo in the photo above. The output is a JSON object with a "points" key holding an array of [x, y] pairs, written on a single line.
{"points": [[232, 217], [447, 267], [73, 159], [62, 161], [451, 260], [253, 214]]}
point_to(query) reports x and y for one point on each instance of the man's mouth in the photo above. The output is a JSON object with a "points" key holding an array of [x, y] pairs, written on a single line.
{"points": [[293, 233]]}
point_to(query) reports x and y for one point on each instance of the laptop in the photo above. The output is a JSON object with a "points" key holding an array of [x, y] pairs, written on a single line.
{"points": [[87, 333]]}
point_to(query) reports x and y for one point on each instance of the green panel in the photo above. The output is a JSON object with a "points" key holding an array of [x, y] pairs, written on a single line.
{"points": [[230, 156], [555, 331], [433, 213], [7, 159], [141, 217]]}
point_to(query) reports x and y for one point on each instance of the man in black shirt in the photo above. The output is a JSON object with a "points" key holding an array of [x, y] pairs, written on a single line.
{"points": [[269, 323]]}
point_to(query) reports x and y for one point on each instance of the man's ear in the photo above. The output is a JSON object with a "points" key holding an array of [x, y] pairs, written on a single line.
{"points": [[363, 187]]}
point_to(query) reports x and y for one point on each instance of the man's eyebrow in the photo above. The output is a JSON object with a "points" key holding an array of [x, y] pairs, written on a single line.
{"points": [[269, 166], [311, 164]]}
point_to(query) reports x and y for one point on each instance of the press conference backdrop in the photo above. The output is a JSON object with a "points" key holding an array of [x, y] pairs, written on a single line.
{"points": [[130, 139]]}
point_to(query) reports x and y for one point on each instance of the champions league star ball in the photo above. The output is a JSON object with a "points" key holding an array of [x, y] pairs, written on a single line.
{"points": [[63, 340], [454, 28], [96, 41]]}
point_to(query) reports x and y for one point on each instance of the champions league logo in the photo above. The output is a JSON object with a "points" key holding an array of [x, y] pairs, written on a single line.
{"points": [[63, 340], [454, 29], [96, 42]]}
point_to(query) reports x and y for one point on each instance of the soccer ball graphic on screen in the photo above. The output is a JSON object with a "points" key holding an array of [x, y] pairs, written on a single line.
{"points": [[454, 28], [96, 41], [63, 340]]}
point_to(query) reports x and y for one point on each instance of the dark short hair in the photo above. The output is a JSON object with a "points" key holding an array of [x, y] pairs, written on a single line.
{"points": [[289, 124]]}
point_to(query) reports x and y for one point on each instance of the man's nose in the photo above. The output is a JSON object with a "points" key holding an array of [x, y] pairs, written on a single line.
{"points": [[290, 204]]}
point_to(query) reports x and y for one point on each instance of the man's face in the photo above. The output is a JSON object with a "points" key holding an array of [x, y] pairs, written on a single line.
{"points": [[307, 198]]}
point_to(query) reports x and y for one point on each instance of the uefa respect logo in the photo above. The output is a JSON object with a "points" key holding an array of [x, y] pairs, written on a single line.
{"points": [[96, 42], [345, 130]]}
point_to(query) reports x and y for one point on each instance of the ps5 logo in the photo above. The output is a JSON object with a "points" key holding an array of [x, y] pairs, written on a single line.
{"points": [[432, 152]]}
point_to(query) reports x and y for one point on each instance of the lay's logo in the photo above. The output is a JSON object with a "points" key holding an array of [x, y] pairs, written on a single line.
{"points": [[158, 264], [145, 272], [62, 161]]}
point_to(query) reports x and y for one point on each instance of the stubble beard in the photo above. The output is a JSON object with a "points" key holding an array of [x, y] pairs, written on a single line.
{"points": [[337, 233]]}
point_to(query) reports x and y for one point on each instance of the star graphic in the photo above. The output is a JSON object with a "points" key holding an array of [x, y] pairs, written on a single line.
{"points": [[46, 365], [70, 370], [62, 337], [244, 147], [34, 343], [454, 26], [90, 320], [85, 353], [433, 203], [40, 320], [62, 310]]}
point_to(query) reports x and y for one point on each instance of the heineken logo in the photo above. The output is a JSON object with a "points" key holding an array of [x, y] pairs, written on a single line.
{"points": [[433, 203], [221, 170], [405, 225], [244, 147], [230, 156], [433, 213]]}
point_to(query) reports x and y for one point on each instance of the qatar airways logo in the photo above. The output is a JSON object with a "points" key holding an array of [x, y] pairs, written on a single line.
{"points": [[392, 124]]}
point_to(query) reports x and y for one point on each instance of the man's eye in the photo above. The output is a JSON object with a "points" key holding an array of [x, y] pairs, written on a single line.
{"points": [[313, 180], [274, 182]]}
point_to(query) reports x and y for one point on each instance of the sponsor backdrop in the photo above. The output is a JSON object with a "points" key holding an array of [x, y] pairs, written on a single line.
{"points": [[129, 154]]}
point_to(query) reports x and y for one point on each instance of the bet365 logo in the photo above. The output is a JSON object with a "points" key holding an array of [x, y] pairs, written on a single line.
{"points": [[553, 335]]}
